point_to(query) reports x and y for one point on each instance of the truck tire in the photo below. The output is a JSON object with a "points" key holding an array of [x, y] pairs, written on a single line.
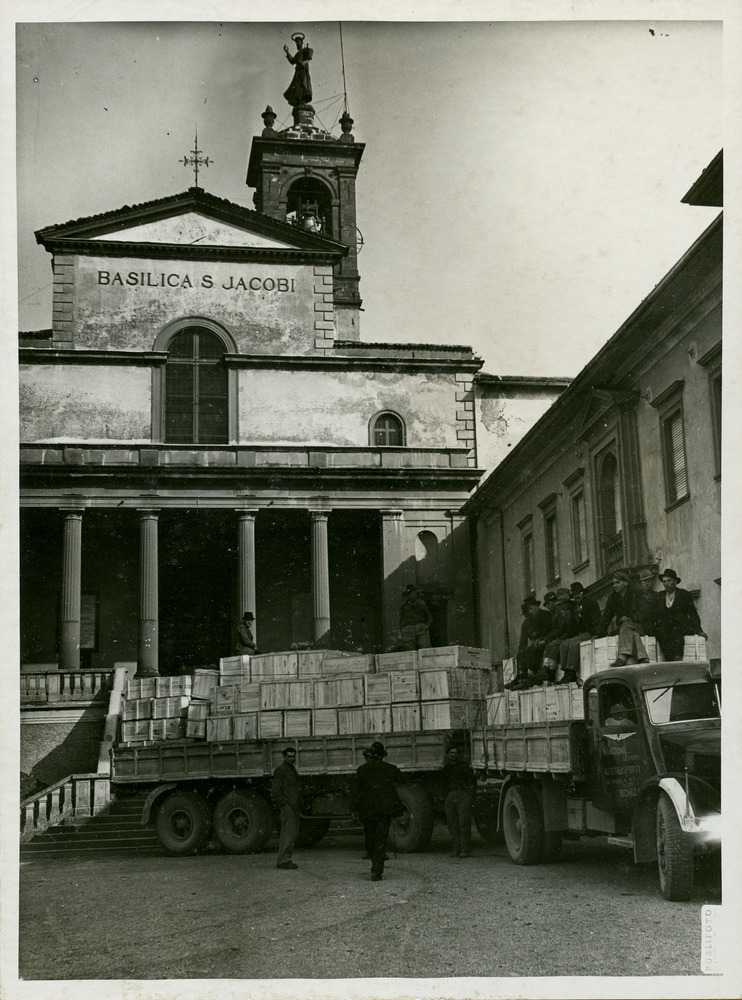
{"points": [[243, 821], [523, 825], [674, 853], [413, 829], [311, 831], [184, 823], [485, 819]]}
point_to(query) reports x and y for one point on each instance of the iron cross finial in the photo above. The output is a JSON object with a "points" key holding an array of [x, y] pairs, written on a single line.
{"points": [[195, 160]]}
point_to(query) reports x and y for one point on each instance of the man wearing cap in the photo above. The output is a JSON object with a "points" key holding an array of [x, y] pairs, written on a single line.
{"points": [[564, 625], [676, 617], [414, 620], [619, 618], [459, 784], [374, 798], [244, 641], [588, 621], [531, 644], [286, 794], [550, 599]]}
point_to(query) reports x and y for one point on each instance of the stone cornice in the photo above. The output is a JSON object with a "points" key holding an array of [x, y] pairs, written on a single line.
{"points": [[177, 251]]}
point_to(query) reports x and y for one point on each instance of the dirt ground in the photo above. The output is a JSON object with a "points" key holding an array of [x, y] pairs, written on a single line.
{"points": [[237, 917]]}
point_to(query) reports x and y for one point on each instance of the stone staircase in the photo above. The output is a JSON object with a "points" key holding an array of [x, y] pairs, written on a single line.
{"points": [[118, 831]]}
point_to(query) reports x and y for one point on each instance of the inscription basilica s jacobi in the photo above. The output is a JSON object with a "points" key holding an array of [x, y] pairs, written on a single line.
{"points": [[153, 279]]}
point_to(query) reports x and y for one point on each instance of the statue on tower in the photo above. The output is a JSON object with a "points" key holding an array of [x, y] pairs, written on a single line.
{"points": [[300, 89]]}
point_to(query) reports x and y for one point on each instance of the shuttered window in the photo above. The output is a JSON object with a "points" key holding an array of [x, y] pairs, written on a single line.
{"points": [[579, 528], [196, 389], [552, 547], [675, 470]]}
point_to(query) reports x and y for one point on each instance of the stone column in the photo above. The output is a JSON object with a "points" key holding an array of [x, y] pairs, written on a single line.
{"points": [[246, 557], [148, 595], [320, 575], [69, 645], [395, 574]]}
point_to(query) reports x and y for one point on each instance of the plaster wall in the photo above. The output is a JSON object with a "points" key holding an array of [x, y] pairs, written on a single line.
{"points": [[83, 402], [124, 303], [335, 408], [49, 750], [502, 421]]}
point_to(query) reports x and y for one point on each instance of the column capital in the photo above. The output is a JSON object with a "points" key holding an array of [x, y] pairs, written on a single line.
{"points": [[392, 514], [72, 511], [246, 512], [148, 511], [319, 515]]}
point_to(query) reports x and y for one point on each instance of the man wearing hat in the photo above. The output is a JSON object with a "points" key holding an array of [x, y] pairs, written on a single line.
{"points": [[531, 644], [588, 620], [564, 625], [374, 797], [286, 794], [414, 620], [244, 641], [550, 599], [619, 618], [676, 617]]}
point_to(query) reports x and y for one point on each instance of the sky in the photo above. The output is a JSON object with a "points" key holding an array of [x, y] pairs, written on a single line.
{"points": [[520, 189]]}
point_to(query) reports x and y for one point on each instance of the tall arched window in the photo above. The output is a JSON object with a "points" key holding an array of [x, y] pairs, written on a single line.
{"points": [[387, 430], [196, 389], [611, 522]]}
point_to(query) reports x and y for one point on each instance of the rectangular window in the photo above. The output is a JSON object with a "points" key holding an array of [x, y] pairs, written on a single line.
{"points": [[528, 562], [675, 472], [715, 393], [579, 528], [552, 546]]}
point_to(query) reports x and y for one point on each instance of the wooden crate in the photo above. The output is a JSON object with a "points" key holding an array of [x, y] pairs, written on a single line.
{"points": [[497, 708], [309, 662], [349, 692], [405, 685], [533, 747], [378, 719], [351, 720], [406, 718], [205, 682], [373, 719], [449, 714], [325, 692], [142, 687], [170, 687], [270, 724], [135, 730], [297, 722], [225, 700], [605, 651], [509, 669], [196, 729], [513, 706], [219, 728], [198, 710], [445, 657], [577, 702], [324, 722], [167, 729], [245, 726], [248, 698], [357, 664], [377, 689], [694, 648], [650, 644], [444, 684], [404, 660], [285, 665], [261, 667], [136, 708], [286, 694], [170, 708], [587, 658], [234, 669]]}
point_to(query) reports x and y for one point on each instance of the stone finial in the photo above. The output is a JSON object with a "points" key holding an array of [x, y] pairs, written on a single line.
{"points": [[346, 124], [269, 118]]}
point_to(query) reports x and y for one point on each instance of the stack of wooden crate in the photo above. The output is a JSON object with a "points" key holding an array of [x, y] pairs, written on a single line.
{"points": [[599, 654], [694, 648], [155, 708], [558, 703]]}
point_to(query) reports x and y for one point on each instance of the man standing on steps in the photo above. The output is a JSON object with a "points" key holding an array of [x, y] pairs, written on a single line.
{"points": [[287, 797], [374, 797]]}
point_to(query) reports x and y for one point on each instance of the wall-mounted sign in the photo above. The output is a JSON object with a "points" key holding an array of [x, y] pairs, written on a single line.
{"points": [[172, 279]]}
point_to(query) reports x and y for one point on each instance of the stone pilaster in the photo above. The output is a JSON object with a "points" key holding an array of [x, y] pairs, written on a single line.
{"points": [[320, 575], [148, 649], [69, 658]]}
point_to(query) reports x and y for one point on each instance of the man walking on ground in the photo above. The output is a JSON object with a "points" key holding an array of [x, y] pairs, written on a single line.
{"points": [[374, 797], [459, 784], [287, 797]]}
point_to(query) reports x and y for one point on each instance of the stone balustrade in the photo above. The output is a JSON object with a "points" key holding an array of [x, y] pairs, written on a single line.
{"points": [[64, 687], [74, 799]]}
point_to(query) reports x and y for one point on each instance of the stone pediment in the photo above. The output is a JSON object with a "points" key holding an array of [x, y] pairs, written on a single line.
{"points": [[191, 228]]}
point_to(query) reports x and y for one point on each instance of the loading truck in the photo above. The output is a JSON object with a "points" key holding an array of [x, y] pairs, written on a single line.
{"points": [[648, 779]]}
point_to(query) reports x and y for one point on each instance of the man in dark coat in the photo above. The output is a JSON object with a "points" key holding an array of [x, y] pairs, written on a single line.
{"points": [[531, 645], [588, 621], [676, 617], [286, 794], [414, 620], [619, 618], [564, 625], [459, 784], [374, 797], [244, 641]]}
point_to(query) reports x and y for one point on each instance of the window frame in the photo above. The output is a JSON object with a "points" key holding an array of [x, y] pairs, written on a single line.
{"points": [[550, 518], [527, 555], [372, 429], [712, 362], [669, 406]]}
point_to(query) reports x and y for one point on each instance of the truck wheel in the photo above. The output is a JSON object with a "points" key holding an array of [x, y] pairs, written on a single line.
{"points": [[184, 823], [311, 831], [485, 819], [243, 821], [523, 825], [413, 829], [674, 853]]}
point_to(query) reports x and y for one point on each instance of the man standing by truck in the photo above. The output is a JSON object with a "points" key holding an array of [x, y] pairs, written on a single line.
{"points": [[374, 797], [459, 784], [287, 797]]}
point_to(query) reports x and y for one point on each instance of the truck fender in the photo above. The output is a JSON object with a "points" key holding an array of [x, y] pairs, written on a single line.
{"points": [[151, 799]]}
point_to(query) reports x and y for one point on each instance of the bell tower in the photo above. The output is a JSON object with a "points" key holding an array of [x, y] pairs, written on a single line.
{"points": [[307, 177]]}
